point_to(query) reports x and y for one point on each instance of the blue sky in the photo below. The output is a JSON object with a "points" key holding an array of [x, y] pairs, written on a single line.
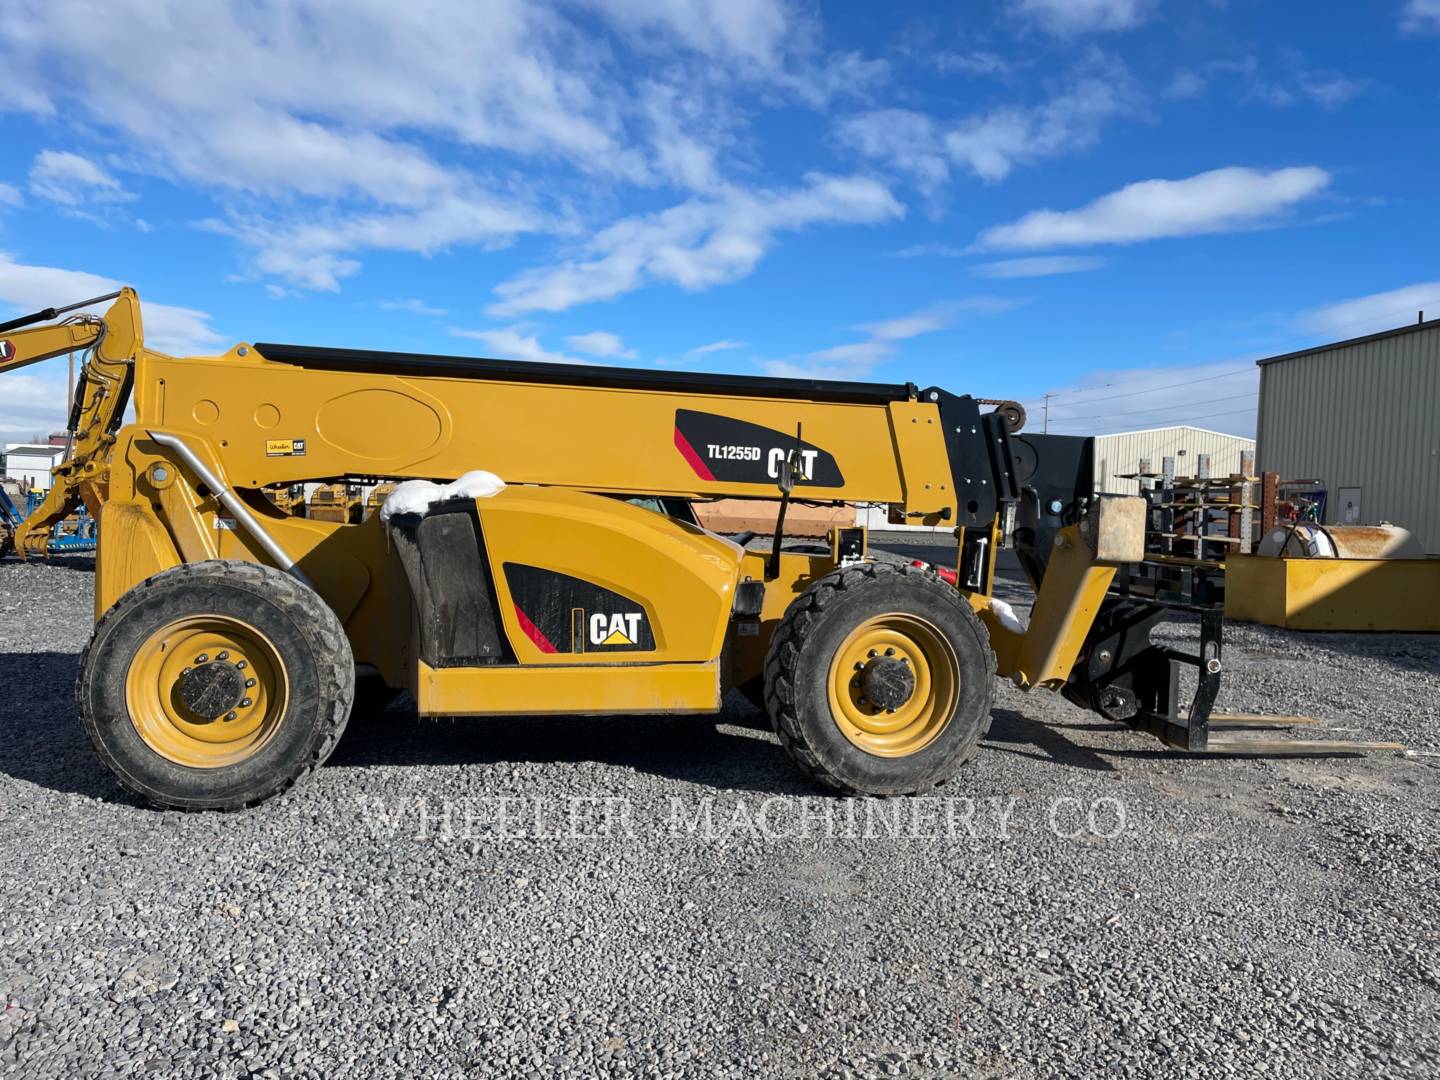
{"points": [[1118, 202]]}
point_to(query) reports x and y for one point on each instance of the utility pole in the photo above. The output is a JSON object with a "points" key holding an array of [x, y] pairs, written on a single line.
{"points": [[1046, 427]]}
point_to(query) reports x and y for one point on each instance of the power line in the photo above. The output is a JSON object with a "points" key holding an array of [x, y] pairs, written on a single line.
{"points": [[1161, 408], [1205, 416], [1148, 389]]}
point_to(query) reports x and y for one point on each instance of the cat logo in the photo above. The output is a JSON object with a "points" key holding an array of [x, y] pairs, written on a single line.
{"points": [[564, 614], [621, 628], [7, 349]]}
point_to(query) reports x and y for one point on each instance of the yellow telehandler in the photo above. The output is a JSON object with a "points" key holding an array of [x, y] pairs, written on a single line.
{"points": [[538, 556]]}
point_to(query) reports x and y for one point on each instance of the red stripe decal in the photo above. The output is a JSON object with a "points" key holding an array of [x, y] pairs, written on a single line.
{"points": [[533, 632], [688, 452]]}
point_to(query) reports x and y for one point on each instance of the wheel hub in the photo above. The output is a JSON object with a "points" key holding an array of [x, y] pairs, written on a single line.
{"points": [[206, 691], [888, 683], [212, 689], [894, 683]]}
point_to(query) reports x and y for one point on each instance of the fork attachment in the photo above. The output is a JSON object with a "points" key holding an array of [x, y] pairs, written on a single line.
{"points": [[1128, 678]]}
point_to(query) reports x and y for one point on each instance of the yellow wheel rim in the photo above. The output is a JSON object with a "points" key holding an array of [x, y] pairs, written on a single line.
{"points": [[157, 677], [911, 725]]}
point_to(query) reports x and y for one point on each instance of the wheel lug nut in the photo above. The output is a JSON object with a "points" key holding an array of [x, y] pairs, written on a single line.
{"points": [[245, 703], [223, 656], [231, 715], [873, 653], [186, 671], [888, 652], [249, 683], [240, 664], [202, 658], [859, 666]]}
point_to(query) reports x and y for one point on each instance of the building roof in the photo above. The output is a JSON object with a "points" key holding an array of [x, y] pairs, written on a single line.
{"points": [[1399, 331], [1176, 427], [29, 449]]}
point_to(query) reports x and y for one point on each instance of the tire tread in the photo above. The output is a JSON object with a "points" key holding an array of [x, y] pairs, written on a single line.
{"points": [[789, 640], [335, 668]]}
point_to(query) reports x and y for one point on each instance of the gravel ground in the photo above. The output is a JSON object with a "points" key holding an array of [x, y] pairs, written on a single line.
{"points": [[541, 897]]}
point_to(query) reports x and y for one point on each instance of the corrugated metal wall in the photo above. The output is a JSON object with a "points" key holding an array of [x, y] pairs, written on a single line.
{"points": [[1122, 454], [1365, 415]]}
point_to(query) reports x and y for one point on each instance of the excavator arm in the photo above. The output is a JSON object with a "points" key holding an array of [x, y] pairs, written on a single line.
{"points": [[110, 343]]}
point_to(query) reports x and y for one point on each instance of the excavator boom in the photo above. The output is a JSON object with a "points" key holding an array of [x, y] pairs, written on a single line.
{"points": [[111, 344]]}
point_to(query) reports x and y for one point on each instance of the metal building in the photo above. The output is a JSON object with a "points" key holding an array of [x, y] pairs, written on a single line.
{"points": [[30, 463], [1362, 417], [1122, 453]]}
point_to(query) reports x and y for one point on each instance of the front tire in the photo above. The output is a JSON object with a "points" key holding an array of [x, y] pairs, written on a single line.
{"points": [[879, 680], [215, 685]]}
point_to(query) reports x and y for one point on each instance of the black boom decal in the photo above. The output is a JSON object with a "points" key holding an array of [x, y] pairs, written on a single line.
{"points": [[564, 614], [737, 451]]}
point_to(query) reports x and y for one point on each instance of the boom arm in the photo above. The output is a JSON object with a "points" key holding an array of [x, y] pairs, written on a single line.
{"points": [[105, 379]]}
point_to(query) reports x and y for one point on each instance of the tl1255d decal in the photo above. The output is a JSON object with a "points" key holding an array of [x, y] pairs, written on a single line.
{"points": [[737, 451], [564, 614]]}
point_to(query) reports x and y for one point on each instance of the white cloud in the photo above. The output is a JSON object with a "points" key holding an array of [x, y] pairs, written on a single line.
{"points": [[687, 130], [910, 141], [908, 326], [415, 307], [73, 181], [714, 347], [314, 253], [506, 74], [1283, 82], [1079, 16], [857, 359], [363, 124], [30, 405], [695, 245], [10, 195], [1329, 89], [753, 31], [1376, 312], [773, 42], [853, 361], [513, 343], [1218, 201], [968, 63], [921, 251], [1038, 266], [600, 343], [1185, 84], [1421, 17], [990, 145], [176, 330]]}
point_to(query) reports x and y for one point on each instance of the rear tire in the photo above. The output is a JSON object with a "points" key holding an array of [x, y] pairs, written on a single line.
{"points": [[215, 685], [908, 640]]}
